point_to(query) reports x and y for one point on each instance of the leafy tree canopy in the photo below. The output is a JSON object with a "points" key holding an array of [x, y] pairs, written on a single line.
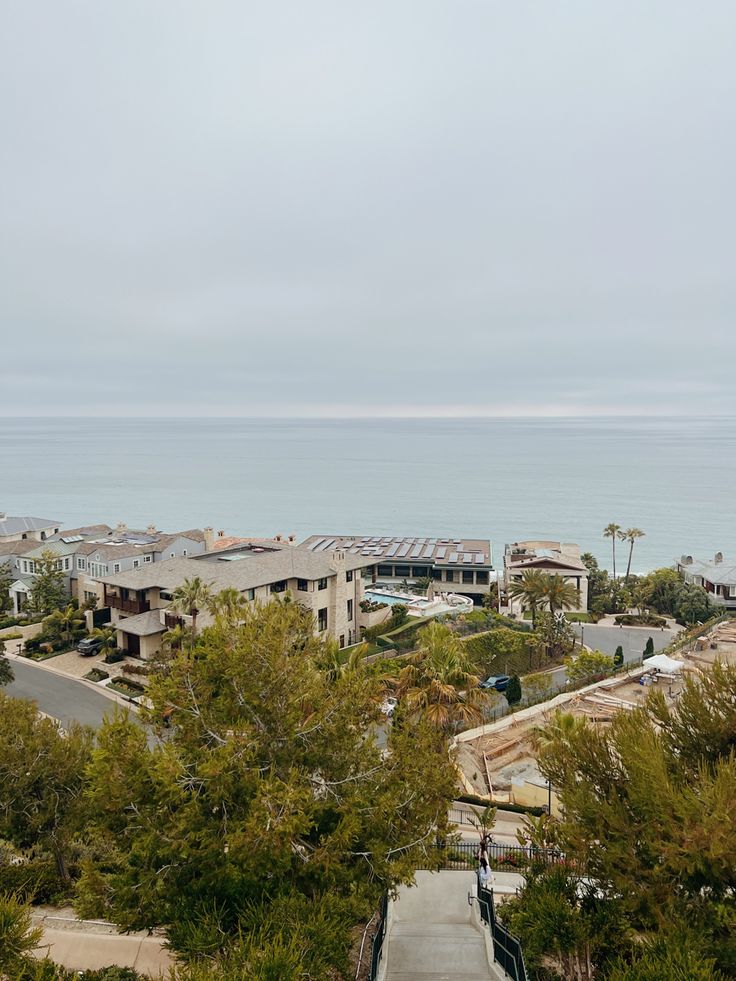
{"points": [[268, 784]]}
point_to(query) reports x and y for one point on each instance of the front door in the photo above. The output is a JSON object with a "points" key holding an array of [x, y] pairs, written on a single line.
{"points": [[133, 645]]}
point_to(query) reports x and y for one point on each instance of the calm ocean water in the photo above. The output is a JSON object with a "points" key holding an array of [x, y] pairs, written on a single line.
{"points": [[504, 479]]}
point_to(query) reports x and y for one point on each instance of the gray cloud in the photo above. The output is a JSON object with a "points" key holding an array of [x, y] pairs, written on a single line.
{"points": [[331, 207]]}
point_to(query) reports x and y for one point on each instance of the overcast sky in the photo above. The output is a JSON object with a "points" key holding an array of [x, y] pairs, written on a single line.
{"points": [[392, 207]]}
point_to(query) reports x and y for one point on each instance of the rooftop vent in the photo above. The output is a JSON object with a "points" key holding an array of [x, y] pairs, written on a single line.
{"points": [[686, 560], [151, 530], [719, 558], [121, 527]]}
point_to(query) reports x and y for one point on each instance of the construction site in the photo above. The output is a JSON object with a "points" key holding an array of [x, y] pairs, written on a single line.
{"points": [[498, 760]]}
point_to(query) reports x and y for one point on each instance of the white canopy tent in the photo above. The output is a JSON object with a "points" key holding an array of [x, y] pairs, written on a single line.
{"points": [[661, 662]]}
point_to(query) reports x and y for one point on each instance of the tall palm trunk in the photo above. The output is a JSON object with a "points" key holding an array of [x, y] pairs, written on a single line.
{"points": [[613, 549], [628, 564]]}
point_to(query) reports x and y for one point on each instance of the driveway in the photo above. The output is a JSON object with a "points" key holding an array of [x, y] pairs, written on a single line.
{"points": [[63, 698]]}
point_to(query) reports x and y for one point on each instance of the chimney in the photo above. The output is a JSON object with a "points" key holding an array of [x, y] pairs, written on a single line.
{"points": [[719, 558], [337, 560], [292, 539], [121, 527], [221, 533], [209, 539], [279, 537], [151, 530], [686, 560]]}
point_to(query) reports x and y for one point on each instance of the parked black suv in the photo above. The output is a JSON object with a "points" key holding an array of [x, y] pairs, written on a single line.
{"points": [[89, 646], [499, 682]]}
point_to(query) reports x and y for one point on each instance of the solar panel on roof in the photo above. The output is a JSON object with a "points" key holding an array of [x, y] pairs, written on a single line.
{"points": [[440, 553], [417, 551], [467, 557], [428, 552], [479, 559], [453, 557], [315, 543], [72, 538], [392, 551], [404, 550], [328, 543]]}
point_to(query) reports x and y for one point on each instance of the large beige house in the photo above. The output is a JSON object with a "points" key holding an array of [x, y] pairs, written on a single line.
{"points": [[554, 558], [329, 584], [16, 529]]}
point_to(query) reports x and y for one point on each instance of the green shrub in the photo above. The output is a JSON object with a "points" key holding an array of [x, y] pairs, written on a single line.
{"points": [[34, 881], [498, 651]]}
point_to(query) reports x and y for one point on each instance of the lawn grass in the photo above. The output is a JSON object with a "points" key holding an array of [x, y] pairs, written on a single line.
{"points": [[572, 617]]}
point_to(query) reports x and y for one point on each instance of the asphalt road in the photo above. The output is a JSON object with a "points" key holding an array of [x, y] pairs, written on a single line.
{"points": [[63, 698], [632, 639]]}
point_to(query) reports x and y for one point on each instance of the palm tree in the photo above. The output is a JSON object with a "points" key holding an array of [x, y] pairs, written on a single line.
{"points": [[560, 594], [438, 683], [630, 535], [109, 638], [529, 590], [228, 606], [192, 596], [611, 531]]}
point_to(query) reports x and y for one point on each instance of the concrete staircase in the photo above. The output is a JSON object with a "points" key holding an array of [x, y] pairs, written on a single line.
{"points": [[433, 934]]}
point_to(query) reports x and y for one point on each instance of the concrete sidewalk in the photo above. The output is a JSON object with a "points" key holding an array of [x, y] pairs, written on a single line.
{"points": [[80, 950], [433, 934]]}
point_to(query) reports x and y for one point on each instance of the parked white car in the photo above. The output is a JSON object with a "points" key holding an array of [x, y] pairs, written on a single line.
{"points": [[389, 705]]}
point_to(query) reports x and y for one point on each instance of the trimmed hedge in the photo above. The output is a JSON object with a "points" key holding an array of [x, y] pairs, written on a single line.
{"points": [[501, 805]]}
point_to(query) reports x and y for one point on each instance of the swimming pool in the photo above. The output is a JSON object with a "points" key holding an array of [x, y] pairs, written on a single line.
{"points": [[392, 599]]}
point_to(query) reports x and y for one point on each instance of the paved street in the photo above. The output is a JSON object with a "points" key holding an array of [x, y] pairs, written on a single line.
{"points": [[632, 639], [63, 698]]}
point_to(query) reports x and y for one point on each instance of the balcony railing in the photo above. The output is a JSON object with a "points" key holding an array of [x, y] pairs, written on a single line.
{"points": [[127, 605]]}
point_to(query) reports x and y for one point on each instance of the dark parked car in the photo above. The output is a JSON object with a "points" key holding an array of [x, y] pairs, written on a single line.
{"points": [[89, 646], [499, 682]]}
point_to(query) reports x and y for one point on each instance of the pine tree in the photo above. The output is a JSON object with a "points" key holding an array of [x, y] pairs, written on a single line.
{"points": [[618, 657], [649, 648], [513, 692]]}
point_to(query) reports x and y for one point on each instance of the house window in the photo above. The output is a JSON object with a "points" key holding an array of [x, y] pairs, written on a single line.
{"points": [[116, 567], [385, 570], [24, 536], [449, 575], [322, 619], [342, 640], [482, 577], [437, 574], [183, 551], [321, 584], [350, 609], [419, 571], [349, 576], [250, 594], [81, 564], [278, 587], [402, 571], [136, 563], [67, 564], [147, 558], [467, 575], [25, 565], [43, 536], [302, 585], [171, 555]]}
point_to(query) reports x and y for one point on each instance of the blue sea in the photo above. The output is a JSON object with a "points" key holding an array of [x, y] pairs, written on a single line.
{"points": [[503, 479]]}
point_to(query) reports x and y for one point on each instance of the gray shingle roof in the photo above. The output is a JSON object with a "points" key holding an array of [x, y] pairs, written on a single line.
{"points": [[142, 625], [719, 573], [16, 526], [253, 570]]}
